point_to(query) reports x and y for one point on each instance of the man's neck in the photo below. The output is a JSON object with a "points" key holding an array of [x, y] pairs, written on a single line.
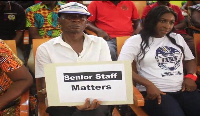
{"points": [[52, 6], [115, 2], [163, 3], [73, 37]]}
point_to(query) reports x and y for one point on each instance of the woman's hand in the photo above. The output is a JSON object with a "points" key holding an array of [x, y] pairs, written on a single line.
{"points": [[153, 92], [189, 85], [87, 106]]}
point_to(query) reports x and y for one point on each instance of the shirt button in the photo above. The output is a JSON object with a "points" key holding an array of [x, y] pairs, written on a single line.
{"points": [[79, 59]]}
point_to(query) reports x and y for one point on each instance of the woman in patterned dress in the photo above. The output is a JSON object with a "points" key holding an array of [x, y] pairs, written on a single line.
{"points": [[14, 80]]}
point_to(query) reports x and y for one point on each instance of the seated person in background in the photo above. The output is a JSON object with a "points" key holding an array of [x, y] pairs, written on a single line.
{"points": [[12, 24], [14, 80], [194, 22], [188, 4], [179, 25], [193, 19], [111, 19], [42, 22], [72, 46], [159, 54], [25, 4]]}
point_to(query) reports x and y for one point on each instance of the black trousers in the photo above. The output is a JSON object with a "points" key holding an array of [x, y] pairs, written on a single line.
{"points": [[174, 104], [72, 111]]}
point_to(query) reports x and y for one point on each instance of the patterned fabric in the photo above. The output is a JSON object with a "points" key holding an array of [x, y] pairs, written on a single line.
{"points": [[8, 62], [191, 24], [40, 16]]}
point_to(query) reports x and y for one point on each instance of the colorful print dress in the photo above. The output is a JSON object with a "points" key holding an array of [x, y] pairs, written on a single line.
{"points": [[41, 17], [10, 62]]}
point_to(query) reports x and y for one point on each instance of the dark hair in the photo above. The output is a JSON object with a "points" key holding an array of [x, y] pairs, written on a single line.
{"points": [[149, 26]]}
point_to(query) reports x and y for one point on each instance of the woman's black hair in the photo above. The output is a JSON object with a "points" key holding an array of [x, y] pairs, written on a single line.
{"points": [[149, 26]]}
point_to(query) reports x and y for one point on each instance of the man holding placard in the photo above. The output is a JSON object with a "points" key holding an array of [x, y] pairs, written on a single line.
{"points": [[73, 45]]}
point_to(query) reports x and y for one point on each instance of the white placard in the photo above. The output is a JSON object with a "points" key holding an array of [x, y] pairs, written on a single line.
{"points": [[70, 84]]}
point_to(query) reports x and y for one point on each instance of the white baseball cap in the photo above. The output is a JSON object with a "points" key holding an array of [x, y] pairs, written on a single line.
{"points": [[74, 7]]}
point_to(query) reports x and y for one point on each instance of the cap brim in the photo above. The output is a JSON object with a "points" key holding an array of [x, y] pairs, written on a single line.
{"points": [[88, 14]]}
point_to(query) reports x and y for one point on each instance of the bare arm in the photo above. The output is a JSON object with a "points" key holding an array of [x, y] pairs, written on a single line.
{"points": [[181, 25], [137, 26], [18, 37], [34, 33], [98, 31], [152, 91], [191, 68], [22, 80]]}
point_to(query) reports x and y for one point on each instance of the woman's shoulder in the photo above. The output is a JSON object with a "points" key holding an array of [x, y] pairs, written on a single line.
{"points": [[175, 35], [135, 38]]}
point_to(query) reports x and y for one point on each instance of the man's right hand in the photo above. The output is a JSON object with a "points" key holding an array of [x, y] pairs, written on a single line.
{"points": [[153, 92], [87, 106], [103, 34]]}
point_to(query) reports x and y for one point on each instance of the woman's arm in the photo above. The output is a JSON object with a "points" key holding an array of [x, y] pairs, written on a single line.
{"points": [[191, 68], [152, 91], [22, 80]]}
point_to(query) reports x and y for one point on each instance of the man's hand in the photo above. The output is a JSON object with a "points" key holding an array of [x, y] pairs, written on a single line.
{"points": [[153, 92], [103, 34], [189, 85], [87, 106]]}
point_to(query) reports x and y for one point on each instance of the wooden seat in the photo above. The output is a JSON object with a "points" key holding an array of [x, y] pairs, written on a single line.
{"points": [[12, 45], [196, 37], [41, 103], [120, 42], [137, 96], [140, 6], [24, 103], [37, 43]]}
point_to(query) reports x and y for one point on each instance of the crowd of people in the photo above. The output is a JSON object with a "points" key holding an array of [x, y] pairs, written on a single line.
{"points": [[161, 46]]}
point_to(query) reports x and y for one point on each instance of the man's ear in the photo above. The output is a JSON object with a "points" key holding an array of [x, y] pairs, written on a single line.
{"points": [[86, 23]]}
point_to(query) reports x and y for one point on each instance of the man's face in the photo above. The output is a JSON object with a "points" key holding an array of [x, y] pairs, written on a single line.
{"points": [[48, 2], [166, 2], [72, 23]]}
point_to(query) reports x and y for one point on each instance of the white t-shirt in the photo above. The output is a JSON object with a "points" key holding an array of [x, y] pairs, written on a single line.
{"points": [[57, 51], [162, 63]]}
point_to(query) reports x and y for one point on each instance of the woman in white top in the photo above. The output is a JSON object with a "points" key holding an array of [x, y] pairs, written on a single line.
{"points": [[159, 55]]}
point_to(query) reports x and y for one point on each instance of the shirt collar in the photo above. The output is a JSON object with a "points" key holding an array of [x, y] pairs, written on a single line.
{"points": [[109, 2], [60, 40]]}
